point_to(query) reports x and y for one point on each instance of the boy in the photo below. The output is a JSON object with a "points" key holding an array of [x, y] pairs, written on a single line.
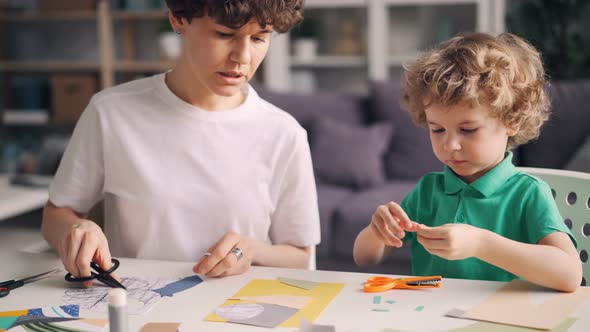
{"points": [[480, 218]]}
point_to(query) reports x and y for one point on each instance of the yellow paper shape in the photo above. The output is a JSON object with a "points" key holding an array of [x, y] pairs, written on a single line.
{"points": [[14, 313], [511, 305], [321, 296]]}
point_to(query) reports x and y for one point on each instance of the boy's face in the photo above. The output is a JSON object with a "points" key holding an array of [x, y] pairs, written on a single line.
{"points": [[222, 59], [467, 139]]}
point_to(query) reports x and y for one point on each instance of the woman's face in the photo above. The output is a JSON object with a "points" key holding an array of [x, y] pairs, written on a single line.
{"points": [[221, 59]]}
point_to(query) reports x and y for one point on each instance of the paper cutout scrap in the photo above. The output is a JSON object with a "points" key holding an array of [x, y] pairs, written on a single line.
{"points": [[160, 327], [290, 301], [380, 310], [58, 311], [257, 314], [376, 299], [299, 283], [56, 324], [179, 286], [321, 296], [419, 308], [306, 326], [390, 301], [511, 305]]}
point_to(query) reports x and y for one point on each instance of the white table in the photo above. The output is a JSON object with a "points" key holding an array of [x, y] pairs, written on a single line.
{"points": [[16, 200], [349, 311]]}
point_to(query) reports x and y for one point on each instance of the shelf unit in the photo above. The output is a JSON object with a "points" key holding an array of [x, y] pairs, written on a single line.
{"points": [[106, 65], [386, 27], [376, 24], [105, 24]]}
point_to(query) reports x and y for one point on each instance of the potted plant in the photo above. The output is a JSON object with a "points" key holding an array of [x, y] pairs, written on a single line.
{"points": [[559, 30], [305, 39], [170, 43]]}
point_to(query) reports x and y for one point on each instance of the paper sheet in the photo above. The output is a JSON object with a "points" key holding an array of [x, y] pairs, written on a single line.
{"points": [[493, 327], [321, 296], [140, 296], [512, 305]]}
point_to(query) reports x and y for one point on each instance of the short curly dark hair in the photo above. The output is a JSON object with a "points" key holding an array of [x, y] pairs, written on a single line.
{"points": [[504, 72], [281, 14]]}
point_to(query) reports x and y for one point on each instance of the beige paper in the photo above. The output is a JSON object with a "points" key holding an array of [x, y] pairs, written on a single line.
{"points": [[511, 305], [160, 327]]}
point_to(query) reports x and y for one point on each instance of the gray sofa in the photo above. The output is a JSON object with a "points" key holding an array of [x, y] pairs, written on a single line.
{"points": [[367, 151]]}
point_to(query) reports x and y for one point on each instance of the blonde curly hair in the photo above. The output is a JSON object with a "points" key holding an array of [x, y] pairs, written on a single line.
{"points": [[504, 72]]}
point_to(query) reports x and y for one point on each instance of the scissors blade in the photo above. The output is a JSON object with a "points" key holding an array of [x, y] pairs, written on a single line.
{"points": [[109, 280], [40, 276]]}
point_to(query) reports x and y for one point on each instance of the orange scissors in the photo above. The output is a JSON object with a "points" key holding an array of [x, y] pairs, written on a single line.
{"points": [[381, 284]]}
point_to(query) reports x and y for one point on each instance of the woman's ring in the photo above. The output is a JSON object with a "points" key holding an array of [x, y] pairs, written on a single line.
{"points": [[238, 252]]}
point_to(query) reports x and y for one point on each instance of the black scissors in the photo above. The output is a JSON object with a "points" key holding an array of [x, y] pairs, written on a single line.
{"points": [[100, 275], [8, 285]]}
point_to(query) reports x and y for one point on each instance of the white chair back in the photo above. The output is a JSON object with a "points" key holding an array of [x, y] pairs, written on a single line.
{"points": [[571, 191]]}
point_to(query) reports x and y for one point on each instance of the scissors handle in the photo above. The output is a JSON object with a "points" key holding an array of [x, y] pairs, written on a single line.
{"points": [[102, 275], [94, 275], [7, 286], [380, 284]]}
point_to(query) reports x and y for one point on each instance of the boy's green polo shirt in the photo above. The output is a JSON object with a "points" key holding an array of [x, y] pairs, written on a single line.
{"points": [[505, 200]]}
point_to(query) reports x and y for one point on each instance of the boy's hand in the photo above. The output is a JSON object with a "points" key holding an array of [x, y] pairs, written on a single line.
{"points": [[389, 222], [450, 241]]}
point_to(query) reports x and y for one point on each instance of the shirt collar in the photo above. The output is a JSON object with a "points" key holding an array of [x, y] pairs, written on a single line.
{"points": [[488, 183]]}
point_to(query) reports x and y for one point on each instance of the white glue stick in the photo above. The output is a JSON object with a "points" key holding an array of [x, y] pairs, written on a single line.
{"points": [[118, 310]]}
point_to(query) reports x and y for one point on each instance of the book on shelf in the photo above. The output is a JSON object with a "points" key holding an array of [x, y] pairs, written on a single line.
{"points": [[25, 117]]}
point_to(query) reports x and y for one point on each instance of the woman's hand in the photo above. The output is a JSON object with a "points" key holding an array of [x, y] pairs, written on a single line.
{"points": [[224, 259], [450, 241], [389, 223], [83, 244]]}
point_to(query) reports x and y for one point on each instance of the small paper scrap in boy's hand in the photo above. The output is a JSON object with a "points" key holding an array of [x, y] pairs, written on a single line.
{"points": [[299, 283]]}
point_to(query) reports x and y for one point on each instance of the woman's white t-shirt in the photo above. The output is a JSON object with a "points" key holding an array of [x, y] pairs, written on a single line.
{"points": [[175, 178]]}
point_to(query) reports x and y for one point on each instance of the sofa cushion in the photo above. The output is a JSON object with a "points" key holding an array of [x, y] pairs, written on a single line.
{"points": [[566, 129], [581, 160], [306, 108], [354, 213], [410, 154], [349, 155], [329, 198]]}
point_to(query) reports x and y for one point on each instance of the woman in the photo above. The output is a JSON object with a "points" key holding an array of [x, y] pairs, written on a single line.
{"points": [[191, 164]]}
